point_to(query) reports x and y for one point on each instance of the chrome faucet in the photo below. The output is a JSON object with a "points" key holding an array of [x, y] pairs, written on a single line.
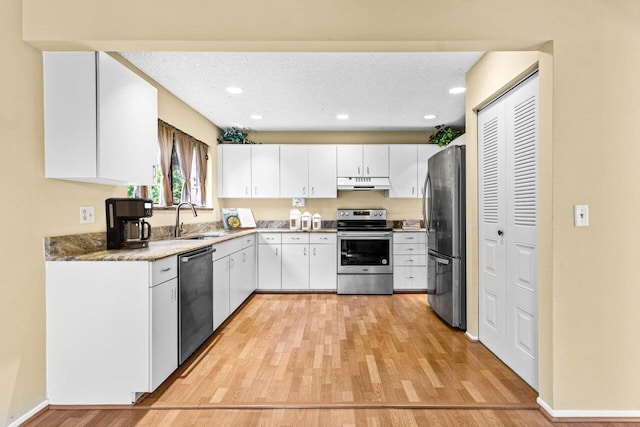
{"points": [[178, 230]]}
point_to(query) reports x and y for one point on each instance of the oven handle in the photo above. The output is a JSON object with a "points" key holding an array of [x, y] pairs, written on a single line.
{"points": [[365, 235]]}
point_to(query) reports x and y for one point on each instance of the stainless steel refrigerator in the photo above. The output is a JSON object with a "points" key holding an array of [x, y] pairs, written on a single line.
{"points": [[444, 217]]}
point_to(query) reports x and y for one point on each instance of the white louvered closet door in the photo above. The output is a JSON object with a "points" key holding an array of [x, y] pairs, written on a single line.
{"points": [[508, 253], [522, 229], [492, 256]]}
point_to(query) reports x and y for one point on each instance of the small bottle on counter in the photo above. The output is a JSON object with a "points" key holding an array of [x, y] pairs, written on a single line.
{"points": [[317, 221]]}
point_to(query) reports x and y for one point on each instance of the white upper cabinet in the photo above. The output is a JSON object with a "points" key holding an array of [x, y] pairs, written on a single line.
{"points": [[403, 170], [322, 171], [234, 171], [425, 151], [294, 171], [308, 171], [265, 171], [363, 160], [100, 120]]}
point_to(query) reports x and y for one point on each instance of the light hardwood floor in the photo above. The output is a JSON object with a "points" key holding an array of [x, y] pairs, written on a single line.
{"points": [[325, 359]]}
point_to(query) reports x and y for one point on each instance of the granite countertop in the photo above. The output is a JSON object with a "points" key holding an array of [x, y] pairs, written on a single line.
{"points": [[164, 248]]}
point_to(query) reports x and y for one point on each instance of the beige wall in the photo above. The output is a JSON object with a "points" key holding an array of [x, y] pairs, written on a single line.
{"points": [[589, 333]]}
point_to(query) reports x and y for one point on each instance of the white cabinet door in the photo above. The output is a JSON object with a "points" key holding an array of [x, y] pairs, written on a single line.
{"points": [[100, 120], [322, 171], [269, 266], [349, 160], [248, 284], [220, 291], [425, 151], [323, 264], [235, 279], [295, 266], [403, 170], [127, 124], [164, 331], [265, 171], [234, 171], [375, 160], [294, 171]]}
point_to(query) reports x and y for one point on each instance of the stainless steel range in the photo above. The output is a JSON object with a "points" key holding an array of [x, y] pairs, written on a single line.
{"points": [[365, 245]]}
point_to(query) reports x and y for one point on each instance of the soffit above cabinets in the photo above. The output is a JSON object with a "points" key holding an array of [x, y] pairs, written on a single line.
{"points": [[306, 91]]}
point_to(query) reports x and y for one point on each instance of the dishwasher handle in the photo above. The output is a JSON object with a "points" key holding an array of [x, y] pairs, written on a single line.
{"points": [[196, 254]]}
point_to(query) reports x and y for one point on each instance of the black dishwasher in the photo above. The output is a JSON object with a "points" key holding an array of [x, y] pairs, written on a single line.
{"points": [[195, 312]]}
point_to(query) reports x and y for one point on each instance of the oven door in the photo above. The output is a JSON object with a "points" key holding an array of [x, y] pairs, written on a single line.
{"points": [[365, 252]]}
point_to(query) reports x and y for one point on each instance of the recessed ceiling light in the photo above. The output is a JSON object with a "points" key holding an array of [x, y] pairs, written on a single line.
{"points": [[457, 90], [430, 116], [256, 117], [342, 116], [234, 90]]}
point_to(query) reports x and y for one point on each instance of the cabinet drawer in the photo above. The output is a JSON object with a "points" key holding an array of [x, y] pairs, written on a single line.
{"points": [[224, 249], [410, 278], [249, 240], [164, 269], [323, 238], [409, 260], [409, 237], [295, 238], [409, 248], [269, 238]]}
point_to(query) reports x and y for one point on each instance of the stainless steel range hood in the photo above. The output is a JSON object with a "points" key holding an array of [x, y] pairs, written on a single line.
{"points": [[363, 183]]}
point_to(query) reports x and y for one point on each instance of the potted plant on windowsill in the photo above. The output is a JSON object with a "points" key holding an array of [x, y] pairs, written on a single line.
{"points": [[234, 136], [444, 135]]}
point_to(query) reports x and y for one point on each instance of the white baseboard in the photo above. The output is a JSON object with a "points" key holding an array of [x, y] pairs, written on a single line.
{"points": [[575, 413], [29, 414], [472, 338]]}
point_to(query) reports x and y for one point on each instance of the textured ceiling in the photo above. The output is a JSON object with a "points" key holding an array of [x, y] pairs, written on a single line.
{"points": [[305, 91]]}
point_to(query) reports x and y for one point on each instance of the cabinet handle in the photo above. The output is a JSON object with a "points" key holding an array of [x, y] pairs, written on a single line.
{"points": [[246, 191], [155, 172], [314, 251], [410, 237], [304, 252], [409, 249], [232, 263], [410, 260], [313, 191], [244, 257], [164, 270], [256, 191], [295, 238], [367, 170], [413, 190], [304, 191], [276, 251], [358, 170]]}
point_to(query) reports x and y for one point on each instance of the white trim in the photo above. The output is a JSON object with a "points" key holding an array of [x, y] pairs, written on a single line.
{"points": [[472, 338], [574, 413], [25, 417]]}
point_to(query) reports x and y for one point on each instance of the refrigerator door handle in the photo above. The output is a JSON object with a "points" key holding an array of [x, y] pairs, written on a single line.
{"points": [[442, 260], [426, 195]]}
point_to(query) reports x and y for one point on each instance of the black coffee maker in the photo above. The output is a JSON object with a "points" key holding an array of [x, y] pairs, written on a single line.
{"points": [[125, 228]]}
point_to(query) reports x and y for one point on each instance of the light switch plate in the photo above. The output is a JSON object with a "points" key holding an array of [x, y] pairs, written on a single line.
{"points": [[87, 215], [581, 215]]}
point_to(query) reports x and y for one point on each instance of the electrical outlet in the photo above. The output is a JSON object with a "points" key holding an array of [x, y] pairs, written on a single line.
{"points": [[581, 215], [87, 215]]}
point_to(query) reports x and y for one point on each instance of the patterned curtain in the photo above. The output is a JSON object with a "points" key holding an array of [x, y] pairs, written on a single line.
{"points": [[201, 162], [185, 146], [165, 139]]}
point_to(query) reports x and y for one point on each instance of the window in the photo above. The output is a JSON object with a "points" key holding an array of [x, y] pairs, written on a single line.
{"points": [[176, 142]]}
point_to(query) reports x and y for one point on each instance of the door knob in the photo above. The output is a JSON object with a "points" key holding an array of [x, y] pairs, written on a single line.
{"points": [[500, 232]]}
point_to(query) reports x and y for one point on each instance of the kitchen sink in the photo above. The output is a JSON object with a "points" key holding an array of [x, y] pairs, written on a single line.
{"points": [[203, 236]]}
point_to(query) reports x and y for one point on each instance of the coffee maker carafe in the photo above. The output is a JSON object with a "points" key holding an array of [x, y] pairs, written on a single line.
{"points": [[125, 226]]}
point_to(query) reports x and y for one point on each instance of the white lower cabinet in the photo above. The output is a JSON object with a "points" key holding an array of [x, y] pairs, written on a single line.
{"points": [[234, 276], [297, 261], [323, 262], [409, 261], [111, 329], [269, 261], [220, 291]]}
